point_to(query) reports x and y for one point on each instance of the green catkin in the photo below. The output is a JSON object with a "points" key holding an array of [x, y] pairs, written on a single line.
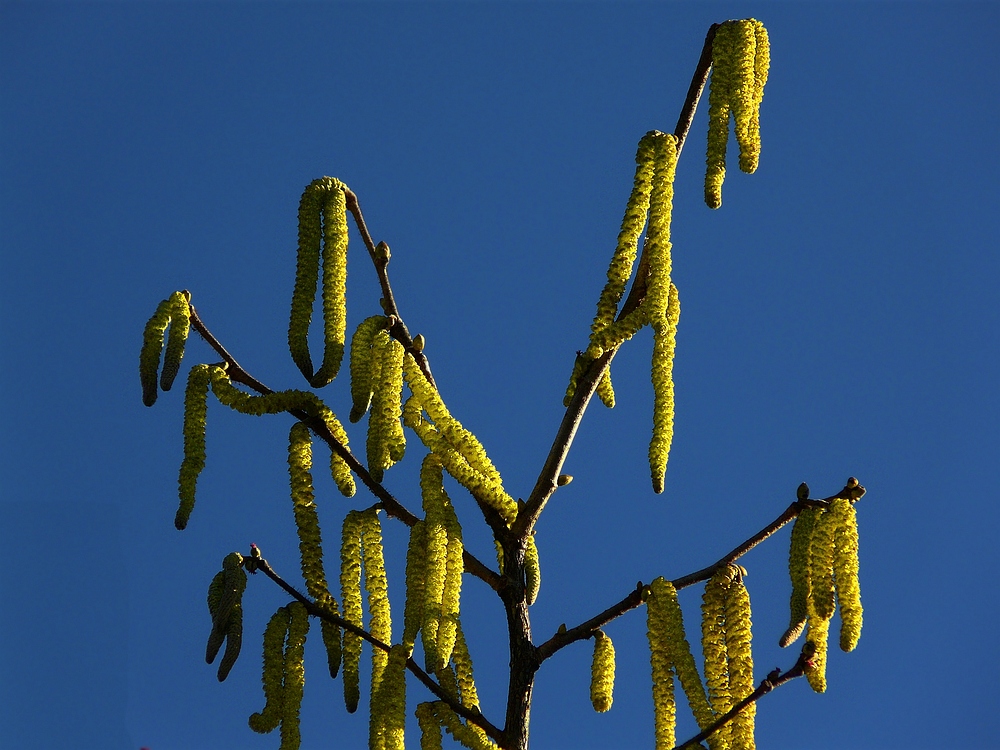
{"points": [[741, 677], [416, 572], [463, 671], [532, 571], [294, 676], [821, 549], [714, 650], [216, 637], [430, 727], [152, 348], [268, 719], [602, 673], [388, 713], [361, 365], [605, 389], [664, 347], [436, 559], [322, 218], [658, 633], [452, 593], [817, 634], [380, 618], [463, 733], [762, 63], [195, 415], [180, 327], [845, 573], [234, 642], [350, 588], [798, 570], [386, 442], [579, 364], [225, 596]]}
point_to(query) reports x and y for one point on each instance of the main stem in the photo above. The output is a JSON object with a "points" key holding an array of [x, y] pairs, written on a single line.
{"points": [[524, 659]]}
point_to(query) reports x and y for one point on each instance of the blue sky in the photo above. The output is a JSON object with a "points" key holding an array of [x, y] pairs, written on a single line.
{"points": [[838, 318]]}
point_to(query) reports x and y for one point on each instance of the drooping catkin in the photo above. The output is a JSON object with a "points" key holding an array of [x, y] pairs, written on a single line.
{"points": [[387, 721], [234, 641], [658, 633], [602, 673], [799, 567], [664, 347], [463, 670], [821, 549], [738, 648], [818, 634], [462, 732], [714, 649], [350, 588], [175, 313], [845, 573], [195, 416], [380, 618], [532, 571], [443, 566], [416, 575], [294, 676], [386, 442], [267, 720], [180, 326], [719, 98], [361, 364], [322, 235]]}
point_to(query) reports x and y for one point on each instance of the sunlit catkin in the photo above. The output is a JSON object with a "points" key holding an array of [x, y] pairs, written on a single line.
{"points": [[322, 221], [152, 348], [845, 573], [532, 571], [664, 347], [821, 599], [361, 365], [380, 619], [430, 727], [416, 573], [714, 649], [195, 415], [350, 588], [435, 503], [268, 719], [386, 442], [294, 676], [817, 633], [719, 97], [387, 721], [741, 677], [658, 633], [463, 670], [180, 326], [799, 571], [463, 733], [602, 673]]}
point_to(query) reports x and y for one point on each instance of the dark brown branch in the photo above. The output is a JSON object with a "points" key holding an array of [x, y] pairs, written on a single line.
{"points": [[469, 714], [774, 679], [851, 491], [389, 503], [698, 82]]}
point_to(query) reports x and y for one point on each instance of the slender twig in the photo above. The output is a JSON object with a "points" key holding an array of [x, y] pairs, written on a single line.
{"points": [[391, 505], [851, 491], [698, 82], [775, 679], [469, 714]]}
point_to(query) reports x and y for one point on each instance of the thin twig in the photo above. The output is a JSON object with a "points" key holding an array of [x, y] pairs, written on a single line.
{"points": [[469, 714], [389, 503]]}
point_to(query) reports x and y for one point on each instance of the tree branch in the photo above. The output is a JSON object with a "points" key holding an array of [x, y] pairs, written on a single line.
{"points": [[469, 714], [389, 503]]}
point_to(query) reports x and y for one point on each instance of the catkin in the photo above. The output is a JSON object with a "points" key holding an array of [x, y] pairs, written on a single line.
{"points": [[430, 727], [602, 673], [361, 365], [463, 670], [741, 678], [799, 566], [294, 676], [386, 442], [817, 634], [416, 574], [322, 219], [714, 650], [195, 416], [234, 641], [532, 571], [175, 313], [463, 733], [350, 588], [268, 719], [435, 502], [380, 619], [180, 326], [658, 633], [719, 97], [821, 548], [664, 346], [388, 712], [845, 573]]}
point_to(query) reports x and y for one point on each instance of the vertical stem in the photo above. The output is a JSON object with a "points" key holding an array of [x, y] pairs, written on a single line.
{"points": [[524, 661]]}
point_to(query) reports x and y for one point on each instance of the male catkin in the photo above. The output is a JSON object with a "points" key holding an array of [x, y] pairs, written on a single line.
{"points": [[602, 673]]}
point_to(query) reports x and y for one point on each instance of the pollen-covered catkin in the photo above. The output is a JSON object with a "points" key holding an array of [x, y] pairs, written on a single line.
{"points": [[532, 571], [350, 587], [658, 633], [719, 97], [234, 641], [388, 712], [741, 677], [436, 559], [463, 670], [294, 676], [430, 727], [714, 650], [195, 415], [605, 389], [152, 348], [380, 619], [268, 719], [386, 442], [304, 508], [845, 573], [798, 570], [180, 326], [463, 733], [361, 364], [762, 63], [322, 218], [602, 673], [416, 571], [664, 346], [821, 548], [817, 634]]}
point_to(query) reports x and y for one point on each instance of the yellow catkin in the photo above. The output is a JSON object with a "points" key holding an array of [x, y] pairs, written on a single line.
{"points": [[817, 634], [380, 618], [451, 596], [658, 633], [762, 63], [268, 719], [463, 733], [294, 676], [741, 677], [152, 348], [430, 727], [436, 559], [386, 442], [664, 346], [350, 588], [845, 572], [799, 572], [361, 365], [602, 673], [322, 219], [180, 326], [416, 573], [713, 646], [532, 571], [388, 712], [463, 670], [195, 416], [605, 389], [579, 364], [821, 548], [742, 97], [719, 96]]}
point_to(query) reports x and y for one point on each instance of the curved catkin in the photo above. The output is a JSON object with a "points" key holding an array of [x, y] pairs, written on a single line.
{"points": [[741, 677], [845, 573], [180, 326], [294, 676], [463, 670], [798, 570], [152, 348], [268, 719], [322, 218], [664, 347], [463, 733], [657, 631], [532, 571], [304, 507], [742, 97], [361, 364], [821, 599], [602, 673], [350, 588], [719, 97], [216, 637], [234, 641], [817, 634], [195, 416]]}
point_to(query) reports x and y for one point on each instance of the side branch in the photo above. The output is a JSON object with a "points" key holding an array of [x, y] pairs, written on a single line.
{"points": [[389, 503], [465, 712]]}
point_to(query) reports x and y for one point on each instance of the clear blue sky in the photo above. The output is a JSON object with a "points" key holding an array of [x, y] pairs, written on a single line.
{"points": [[839, 318]]}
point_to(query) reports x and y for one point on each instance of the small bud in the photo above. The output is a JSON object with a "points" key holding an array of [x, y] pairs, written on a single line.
{"points": [[418, 342], [382, 253], [852, 482], [562, 629], [803, 492], [564, 479]]}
